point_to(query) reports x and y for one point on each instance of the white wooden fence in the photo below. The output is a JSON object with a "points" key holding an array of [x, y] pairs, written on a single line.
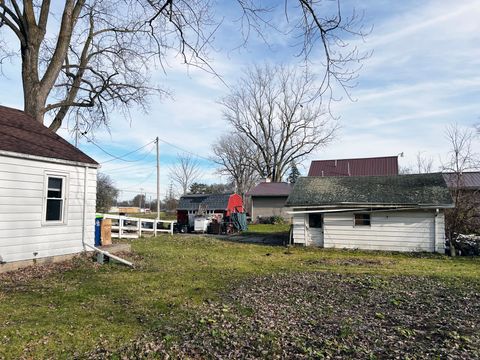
{"points": [[126, 227]]}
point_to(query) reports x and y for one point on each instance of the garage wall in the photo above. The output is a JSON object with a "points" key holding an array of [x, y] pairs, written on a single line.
{"points": [[397, 231], [392, 231], [269, 206]]}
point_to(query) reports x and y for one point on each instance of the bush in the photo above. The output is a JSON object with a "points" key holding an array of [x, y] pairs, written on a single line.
{"points": [[466, 245], [272, 220]]}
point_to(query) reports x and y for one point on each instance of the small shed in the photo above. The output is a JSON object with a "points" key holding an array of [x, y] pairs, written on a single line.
{"points": [[47, 193], [223, 205], [268, 199], [396, 213]]}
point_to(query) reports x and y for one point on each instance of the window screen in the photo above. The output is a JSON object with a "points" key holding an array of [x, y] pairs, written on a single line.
{"points": [[55, 199], [362, 219]]}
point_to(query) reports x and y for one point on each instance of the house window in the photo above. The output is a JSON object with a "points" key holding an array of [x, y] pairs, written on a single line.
{"points": [[315, 220], [362, 219], [55, 199]]}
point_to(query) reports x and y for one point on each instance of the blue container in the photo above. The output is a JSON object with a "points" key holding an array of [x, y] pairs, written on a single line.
{"points": [[98, 232]]}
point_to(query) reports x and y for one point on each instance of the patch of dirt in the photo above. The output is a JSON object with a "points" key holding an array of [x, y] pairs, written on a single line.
{"points": [[349, 262], [44, 270], [325, 315]]}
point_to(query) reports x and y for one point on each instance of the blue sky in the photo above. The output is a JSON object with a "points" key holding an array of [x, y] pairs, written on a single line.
{"points": [[423, 75]]}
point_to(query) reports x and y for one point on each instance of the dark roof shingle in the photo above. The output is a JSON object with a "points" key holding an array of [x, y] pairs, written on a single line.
{"points": [[376, 166], [422, 189], [210, 201], [20, 133], [271, 189]]}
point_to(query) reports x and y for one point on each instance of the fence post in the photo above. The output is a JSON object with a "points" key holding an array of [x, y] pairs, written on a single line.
{"points": [[171, 228], [139, 224], [120, 227]]}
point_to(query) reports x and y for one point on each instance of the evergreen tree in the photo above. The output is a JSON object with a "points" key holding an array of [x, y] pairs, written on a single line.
{"points": [[294, 173]]}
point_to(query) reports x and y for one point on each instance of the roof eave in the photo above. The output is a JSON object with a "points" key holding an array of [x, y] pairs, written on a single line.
{"points": [[48, 159], [267, 195], [376, 205]]}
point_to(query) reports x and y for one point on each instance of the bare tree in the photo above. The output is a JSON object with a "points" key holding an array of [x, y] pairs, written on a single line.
{"points": [[424, 164], [185, 172], [276, 109], [100, 57], [107, 193], [96, 55], [461, 158], [233, 155]]}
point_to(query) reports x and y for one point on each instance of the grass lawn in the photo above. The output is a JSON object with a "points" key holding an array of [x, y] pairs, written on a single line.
{"points": [[192, 286], [256, 229]]}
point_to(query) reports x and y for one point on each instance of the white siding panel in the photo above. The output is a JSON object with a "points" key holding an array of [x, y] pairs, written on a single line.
{"points": [[21, 208], [53, 252], [8, 218], [27, 225], [398, 231], [8, 175], [9, 200], [440, 233], [14, 234], [22, 232], [21, 193], [299, 231]]}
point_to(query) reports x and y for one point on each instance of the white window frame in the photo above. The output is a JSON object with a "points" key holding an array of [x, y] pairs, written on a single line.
{"points": [[63, 220]]}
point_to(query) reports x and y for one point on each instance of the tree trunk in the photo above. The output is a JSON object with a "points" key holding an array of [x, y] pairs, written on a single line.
{"points": [[453, 251], [34, 103]]}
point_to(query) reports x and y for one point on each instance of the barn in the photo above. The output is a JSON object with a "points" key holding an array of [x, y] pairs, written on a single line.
{"points": [[220, 206], [395, 213], [47, 193]]}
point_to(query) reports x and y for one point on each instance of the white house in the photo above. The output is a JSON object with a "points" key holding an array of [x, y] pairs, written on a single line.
{"points": [[396, 213], [47, 193]]}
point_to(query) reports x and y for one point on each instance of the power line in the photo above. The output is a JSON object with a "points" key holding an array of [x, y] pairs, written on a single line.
{"points": [[187, 151], [134, 151], [114, 157], [133, 165]]}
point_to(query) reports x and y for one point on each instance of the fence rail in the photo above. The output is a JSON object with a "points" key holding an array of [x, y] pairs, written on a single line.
{"points": [[126, 227]]}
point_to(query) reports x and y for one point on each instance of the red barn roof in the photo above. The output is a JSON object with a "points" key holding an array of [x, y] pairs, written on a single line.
{"points": [[20, 133], [376, 166]]}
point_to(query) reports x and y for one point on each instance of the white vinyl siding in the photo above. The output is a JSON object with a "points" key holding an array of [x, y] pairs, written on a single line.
{"points": [[393, 231], [23, 229], [299, 229], [397, 231]]}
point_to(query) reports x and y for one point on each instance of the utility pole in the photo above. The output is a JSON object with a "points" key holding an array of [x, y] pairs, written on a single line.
{"points": [[158, 179]]}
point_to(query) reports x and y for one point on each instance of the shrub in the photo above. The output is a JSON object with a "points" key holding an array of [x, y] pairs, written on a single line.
{"points": [[273, 220]]}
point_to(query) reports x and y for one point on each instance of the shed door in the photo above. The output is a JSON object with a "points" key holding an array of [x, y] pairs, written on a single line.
{"points": [[315, 228]]}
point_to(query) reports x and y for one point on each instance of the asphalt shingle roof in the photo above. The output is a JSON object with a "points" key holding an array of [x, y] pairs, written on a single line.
{"points": [[20, 133], [211, 201], [422, 189], [271, 189]]}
